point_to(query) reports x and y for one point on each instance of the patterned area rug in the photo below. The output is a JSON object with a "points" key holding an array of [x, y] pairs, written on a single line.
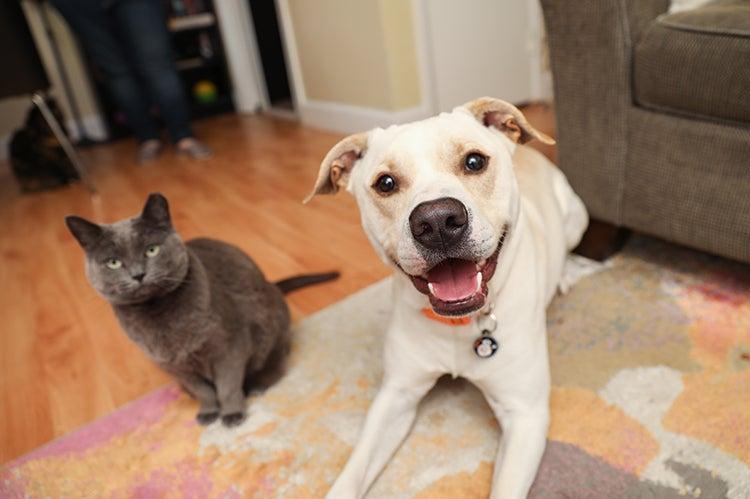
{"points": [[651, 372]]}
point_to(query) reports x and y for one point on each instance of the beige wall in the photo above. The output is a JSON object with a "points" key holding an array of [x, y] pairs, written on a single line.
{"points": [[13, 111], [401, 51], [357, 52]]}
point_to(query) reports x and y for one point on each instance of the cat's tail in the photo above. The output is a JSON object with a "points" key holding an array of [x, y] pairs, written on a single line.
{"points": [[300, 281]]}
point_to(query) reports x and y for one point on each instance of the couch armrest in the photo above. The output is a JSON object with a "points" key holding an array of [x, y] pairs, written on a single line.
{"points": [[590, 46]]}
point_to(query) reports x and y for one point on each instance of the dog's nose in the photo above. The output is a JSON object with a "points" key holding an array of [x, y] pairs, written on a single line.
{"points": [[440, 223]]}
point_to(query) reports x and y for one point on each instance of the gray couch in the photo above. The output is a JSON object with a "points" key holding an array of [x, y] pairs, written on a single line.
{"points": [[653, 116]]}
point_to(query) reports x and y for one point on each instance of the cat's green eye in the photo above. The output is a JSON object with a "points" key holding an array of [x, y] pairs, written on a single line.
{"points": [[113, 263], [152, 250]]}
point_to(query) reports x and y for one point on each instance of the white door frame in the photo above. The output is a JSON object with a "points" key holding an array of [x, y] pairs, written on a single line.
{"points": [[243, 58]]}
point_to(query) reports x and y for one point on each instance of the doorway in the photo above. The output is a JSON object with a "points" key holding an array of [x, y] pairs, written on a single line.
{"points": [[271, 50]]}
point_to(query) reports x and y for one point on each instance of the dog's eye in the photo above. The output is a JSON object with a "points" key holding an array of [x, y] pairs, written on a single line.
{"points": [[475, 162], [385, 184]]}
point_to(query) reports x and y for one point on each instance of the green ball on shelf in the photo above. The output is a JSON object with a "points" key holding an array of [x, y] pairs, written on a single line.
{"points": [[205, 92]]}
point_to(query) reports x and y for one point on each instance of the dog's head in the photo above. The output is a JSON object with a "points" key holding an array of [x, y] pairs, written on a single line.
{"points": [[438, 197]]}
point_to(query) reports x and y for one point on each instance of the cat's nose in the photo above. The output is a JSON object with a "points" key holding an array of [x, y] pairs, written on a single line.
{"points": [[139, 277]]}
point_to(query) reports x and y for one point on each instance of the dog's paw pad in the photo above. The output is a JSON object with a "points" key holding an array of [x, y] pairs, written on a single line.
{"points": [[233, 419], [206, 418]]}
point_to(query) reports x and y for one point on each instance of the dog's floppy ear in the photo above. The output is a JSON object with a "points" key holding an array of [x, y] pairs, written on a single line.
{"points": [[338, 164], [507, 118]]}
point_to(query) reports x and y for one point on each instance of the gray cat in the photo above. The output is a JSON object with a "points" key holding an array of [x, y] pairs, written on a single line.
{"points": [[202, 310]]}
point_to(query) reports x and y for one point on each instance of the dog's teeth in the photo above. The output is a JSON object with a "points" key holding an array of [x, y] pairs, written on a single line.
{"points": [[431, 288], [479, 282]]}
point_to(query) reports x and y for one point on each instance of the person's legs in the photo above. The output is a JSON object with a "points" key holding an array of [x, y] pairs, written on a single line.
{"points": [[142, 25], [96, 32]]}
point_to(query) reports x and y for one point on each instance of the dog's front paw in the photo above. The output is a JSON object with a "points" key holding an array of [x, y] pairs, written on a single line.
{"points": [[233, 419], [206, 418], [341, 489]]}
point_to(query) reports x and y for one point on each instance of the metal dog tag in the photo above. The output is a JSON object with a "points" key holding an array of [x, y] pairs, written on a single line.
{"points": [[485, 346]]}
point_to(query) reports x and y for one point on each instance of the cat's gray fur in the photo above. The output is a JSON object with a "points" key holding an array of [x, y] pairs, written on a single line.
{"points": [[202, 310]]}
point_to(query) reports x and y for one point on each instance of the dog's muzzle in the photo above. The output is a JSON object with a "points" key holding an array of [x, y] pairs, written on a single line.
{"points": [[456, 283]]}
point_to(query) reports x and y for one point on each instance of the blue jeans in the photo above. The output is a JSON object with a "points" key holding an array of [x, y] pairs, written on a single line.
{"points": [[129, 43]]}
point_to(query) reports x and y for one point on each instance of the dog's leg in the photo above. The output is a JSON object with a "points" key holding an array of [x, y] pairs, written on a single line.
{"points": [[520, 452], [388, 421], [523, 414]]}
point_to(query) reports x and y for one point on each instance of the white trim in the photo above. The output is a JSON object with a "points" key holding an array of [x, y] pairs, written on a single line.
{"points": [[254, 54], [345, 118], [237, 36], [293, 66], [93, 126]]}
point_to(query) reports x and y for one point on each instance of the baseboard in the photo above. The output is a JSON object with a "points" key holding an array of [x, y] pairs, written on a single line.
{"points": [[94, 127], [345, 118]]}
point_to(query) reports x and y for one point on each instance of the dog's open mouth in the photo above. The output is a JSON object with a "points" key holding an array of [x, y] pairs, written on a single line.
{"points": [[459, 287]]}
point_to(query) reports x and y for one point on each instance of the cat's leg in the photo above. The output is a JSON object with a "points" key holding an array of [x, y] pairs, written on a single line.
{"points": [[263, 377], [205, 393], [229, 375]]}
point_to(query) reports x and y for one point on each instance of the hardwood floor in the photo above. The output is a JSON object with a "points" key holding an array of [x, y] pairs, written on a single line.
{"points": [[63, 359]]}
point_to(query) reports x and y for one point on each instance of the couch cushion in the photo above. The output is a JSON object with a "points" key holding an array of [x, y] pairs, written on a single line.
{"points": [[697, 62]]}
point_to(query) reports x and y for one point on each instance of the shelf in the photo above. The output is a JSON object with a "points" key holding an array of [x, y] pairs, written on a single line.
{"points": [[195, 21], [195, 63]]}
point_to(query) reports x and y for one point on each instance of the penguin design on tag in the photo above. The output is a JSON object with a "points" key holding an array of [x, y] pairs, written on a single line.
{"points": [[485, 346]]}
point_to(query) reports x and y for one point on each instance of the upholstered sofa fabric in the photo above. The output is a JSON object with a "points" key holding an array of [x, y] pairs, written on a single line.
{"points": [[720, 17], [653, 120], [697, 62]]}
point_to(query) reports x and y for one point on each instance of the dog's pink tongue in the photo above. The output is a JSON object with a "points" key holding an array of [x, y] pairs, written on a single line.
{"points": [[453, 280]]}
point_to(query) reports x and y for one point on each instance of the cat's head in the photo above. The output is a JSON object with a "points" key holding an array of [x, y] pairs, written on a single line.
{"points": [[133, 260]]}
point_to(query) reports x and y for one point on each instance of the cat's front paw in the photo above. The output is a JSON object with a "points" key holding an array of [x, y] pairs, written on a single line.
{"points": [[233, 419], [206, 418]]}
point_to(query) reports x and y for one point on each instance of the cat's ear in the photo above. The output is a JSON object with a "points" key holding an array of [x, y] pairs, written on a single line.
{"points": [[156, 211], [86, 233]]}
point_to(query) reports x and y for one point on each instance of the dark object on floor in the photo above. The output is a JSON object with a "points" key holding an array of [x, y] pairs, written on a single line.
{"points": [[30, 80], [37, 159], [653, 119], [602, 240]]}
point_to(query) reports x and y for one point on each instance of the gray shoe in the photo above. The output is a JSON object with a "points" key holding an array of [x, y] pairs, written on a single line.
{"points": [[193, 148], [148, 151]]}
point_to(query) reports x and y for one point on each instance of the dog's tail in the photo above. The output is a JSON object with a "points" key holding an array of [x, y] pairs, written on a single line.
{"points": [[300, 281]]}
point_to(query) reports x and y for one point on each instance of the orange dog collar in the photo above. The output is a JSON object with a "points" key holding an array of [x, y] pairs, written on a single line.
{"points": [[449, 321]]}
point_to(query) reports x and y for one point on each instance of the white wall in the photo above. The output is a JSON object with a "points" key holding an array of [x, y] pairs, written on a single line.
{"points": [[354, 64], [464, 50], [484, 48]]}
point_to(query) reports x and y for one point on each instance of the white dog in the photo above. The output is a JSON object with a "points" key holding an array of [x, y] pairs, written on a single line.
{"points": [[477, 229]]}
